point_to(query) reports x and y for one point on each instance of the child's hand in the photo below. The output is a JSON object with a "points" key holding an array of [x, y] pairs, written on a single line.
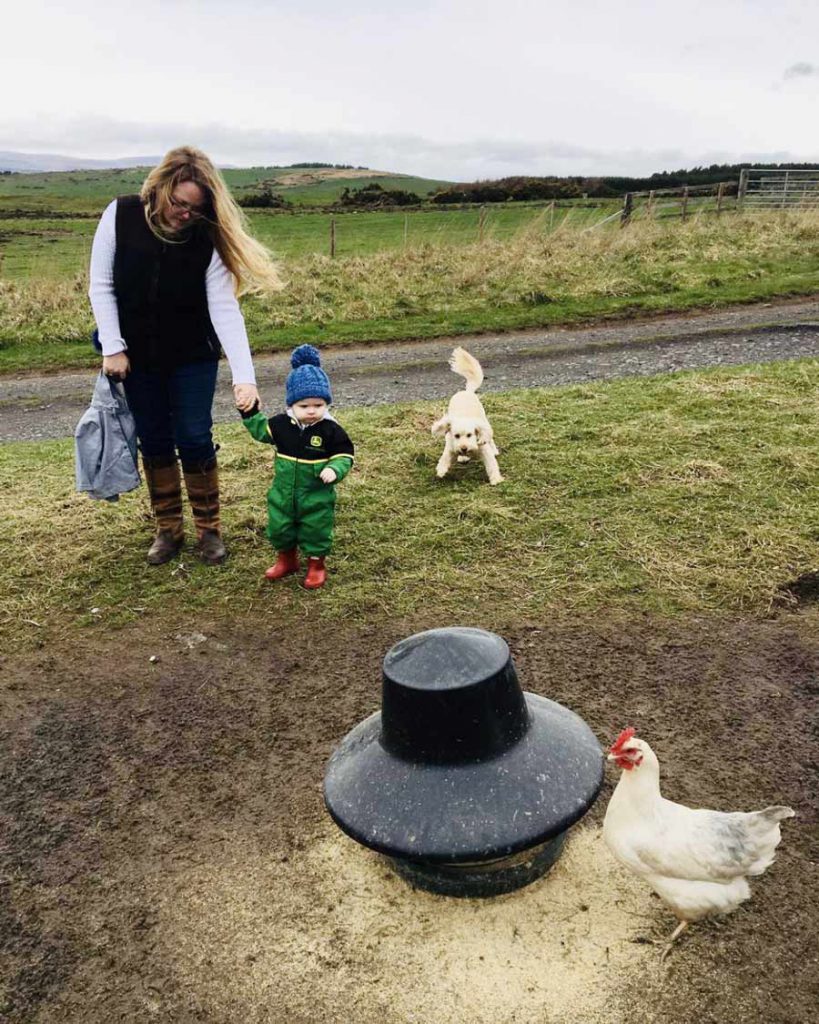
{"points": [[328, 476]]}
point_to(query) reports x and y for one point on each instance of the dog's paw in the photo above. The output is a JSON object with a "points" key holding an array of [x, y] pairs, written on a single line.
{"points": [[495, 480]]}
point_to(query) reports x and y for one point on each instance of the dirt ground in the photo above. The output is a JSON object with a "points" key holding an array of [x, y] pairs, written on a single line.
{"points": [[165, 854]]}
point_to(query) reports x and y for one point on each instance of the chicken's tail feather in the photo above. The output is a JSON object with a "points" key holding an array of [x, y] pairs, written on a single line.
{"points": [[777, 812], [764, 828]]}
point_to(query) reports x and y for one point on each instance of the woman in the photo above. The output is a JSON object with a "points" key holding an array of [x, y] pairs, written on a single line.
{"points": [[166, 269]]}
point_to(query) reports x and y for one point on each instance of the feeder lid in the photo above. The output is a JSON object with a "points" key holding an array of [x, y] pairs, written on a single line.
{"points": [[460, 764]]}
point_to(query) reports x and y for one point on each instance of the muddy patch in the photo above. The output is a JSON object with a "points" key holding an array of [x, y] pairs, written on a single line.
{"points": [[165, 855], [803, 590]]}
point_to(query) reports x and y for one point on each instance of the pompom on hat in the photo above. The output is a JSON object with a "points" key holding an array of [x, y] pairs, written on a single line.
{"points": [[307, 379]]}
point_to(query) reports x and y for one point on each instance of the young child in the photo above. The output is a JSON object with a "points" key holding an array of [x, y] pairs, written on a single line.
{"points": [[313, 453]]}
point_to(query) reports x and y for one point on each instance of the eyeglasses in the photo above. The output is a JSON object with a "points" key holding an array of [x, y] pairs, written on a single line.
{"points": [[182, 207]]}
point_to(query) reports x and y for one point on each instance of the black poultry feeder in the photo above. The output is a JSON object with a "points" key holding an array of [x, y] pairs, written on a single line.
{"points": [[465, 782]]}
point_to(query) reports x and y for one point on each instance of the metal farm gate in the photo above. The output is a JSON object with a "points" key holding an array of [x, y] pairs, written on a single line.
{"points": [[771, 189]]}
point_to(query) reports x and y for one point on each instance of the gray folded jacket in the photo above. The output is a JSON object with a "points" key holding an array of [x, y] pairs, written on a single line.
{"points": [[105, 444]]}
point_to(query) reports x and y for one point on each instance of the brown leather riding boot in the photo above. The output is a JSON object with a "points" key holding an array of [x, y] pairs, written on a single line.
{"points": [[165, 491], [202, 483]]}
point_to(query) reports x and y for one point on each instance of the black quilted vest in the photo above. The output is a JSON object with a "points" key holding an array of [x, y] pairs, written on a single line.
{"points": [[160, 290]]}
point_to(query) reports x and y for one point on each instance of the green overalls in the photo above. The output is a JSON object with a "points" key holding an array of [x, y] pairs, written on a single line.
{"points": [[300, 507]]}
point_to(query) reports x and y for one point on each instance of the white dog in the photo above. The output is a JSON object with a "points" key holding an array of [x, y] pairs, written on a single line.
{"points": [[465, 425]]}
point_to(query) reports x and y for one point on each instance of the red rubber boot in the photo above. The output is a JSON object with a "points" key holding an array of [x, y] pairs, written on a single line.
{"points": [[316, 573], [286, 564]]}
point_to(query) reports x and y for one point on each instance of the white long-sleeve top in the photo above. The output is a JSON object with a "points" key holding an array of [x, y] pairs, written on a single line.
{"points": [[223, 306]]}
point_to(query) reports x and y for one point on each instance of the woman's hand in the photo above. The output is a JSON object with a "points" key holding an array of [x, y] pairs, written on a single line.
{"points": [[245, 396], [116, 367]]}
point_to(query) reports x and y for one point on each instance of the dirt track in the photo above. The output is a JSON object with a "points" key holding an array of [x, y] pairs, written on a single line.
{"points": [[35, 408]]}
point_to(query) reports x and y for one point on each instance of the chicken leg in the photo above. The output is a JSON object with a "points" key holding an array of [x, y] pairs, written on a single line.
{"points": [[673, 938]]}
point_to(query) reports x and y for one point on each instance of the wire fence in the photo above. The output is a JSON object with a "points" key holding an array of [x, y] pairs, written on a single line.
{"points": [[342, 234], [679, 202], [754, 190]]}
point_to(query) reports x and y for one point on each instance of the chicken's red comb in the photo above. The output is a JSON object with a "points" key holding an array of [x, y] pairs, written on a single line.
{"points": [[622, 739]]}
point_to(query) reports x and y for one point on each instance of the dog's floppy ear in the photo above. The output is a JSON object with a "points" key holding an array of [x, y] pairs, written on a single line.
{"points": [[483, 433], [441, 426]]}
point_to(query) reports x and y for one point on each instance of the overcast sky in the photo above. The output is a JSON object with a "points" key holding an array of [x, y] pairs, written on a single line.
{"points": [[441, 88]]}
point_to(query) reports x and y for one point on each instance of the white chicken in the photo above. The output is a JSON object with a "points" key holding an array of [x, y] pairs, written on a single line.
{"points": [[696, 860]]}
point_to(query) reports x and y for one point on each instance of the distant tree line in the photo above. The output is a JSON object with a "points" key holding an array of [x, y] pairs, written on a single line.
{"points": [[373, 195], [265, 199], [369, 197], [337, 167], [526, 189], [516, 189]]}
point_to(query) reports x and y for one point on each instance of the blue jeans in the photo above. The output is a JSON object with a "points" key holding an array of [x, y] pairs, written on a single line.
{"points": [[173, 411]]}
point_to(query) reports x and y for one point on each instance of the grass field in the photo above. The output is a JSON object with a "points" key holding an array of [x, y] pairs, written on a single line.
{"points": [[88, 192], [692, 493], [58, 248], [534, 277]]}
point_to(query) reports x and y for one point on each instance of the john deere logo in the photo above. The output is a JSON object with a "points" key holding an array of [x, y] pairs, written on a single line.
{"points": [[315, 441]]}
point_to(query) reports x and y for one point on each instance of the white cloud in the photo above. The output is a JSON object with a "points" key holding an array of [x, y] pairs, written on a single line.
{"points": [[443, 87], [457, 160]]}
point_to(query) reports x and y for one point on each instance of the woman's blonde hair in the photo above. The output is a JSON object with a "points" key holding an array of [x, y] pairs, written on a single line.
{"points": [[247, 260]]}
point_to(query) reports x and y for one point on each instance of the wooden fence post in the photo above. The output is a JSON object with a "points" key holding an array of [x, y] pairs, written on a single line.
{"points": [[628, 203], [332, 237], [551, 214], [720, 191], [742, 188], [650, 212], [406, 228], [481, 223], [684, 204]]}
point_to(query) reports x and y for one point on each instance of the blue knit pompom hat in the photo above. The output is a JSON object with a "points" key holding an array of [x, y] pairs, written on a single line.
{"points": [[307, 379]]}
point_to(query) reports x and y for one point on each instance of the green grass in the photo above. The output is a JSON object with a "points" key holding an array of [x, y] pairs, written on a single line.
{"points": [[59, 248], [67, 192], [86, 193], [693, 493], [44, 248], [364, 233]]}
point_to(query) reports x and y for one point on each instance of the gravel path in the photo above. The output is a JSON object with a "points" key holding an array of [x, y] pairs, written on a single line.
{"points": [[41, 407]]}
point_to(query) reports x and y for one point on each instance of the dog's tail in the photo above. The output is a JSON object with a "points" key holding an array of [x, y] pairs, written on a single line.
{"points": [[468, 367]]}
